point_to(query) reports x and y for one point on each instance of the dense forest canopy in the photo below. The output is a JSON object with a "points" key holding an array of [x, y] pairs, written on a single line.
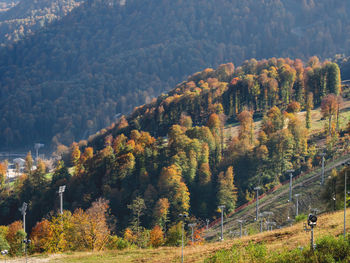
{"points": [[72, 78], [21, 18]]}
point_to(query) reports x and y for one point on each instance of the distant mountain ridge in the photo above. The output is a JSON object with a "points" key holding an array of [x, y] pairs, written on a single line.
{"points": [[6, 5], [106, 57], [27, 16]]}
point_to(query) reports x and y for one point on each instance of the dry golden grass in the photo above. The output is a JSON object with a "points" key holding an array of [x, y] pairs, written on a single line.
{"points": [[287, 238]]}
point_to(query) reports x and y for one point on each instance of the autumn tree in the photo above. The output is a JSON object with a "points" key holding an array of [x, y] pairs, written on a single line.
{"points": [[293, 107], [137, 207], [161, 212], [172, 187], [75, 158], [300, 137], [246, 128], [41, 235], [287, 76], [91, 228], [333, 78], [309, 107], [3, 171], [280, 150], [28, 163], [14, 237], [185, 121], [329, 108], [156, 236], [227, 191], [38, 175], [273, 121], [215, 125]]}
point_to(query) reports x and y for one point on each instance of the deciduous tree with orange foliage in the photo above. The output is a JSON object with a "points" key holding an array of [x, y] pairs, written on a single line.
{"points": [[156, 236], [329, 109], [14, 237], [41, 235], [172, 187]]}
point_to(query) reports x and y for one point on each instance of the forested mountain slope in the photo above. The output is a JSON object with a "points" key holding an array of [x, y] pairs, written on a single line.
{"points": [[7, 4], [27, 16], [106, 57], [173, 156]]}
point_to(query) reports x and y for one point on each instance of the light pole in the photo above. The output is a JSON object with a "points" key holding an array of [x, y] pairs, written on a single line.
{"points": [[222, 207], [257, 202], [26, 243], [241, 224], [182, 218], [322, 174], [192, 226], [290, 184], [311, 221], [37, 146], [23, 210], [61, 190], [297, 204], [346, 164]]}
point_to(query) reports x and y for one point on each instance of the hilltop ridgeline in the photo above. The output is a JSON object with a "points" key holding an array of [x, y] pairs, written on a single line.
{"points": [[105, 57]]}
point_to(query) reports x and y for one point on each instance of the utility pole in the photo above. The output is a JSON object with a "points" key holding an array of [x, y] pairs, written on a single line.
{"points": [[257, 202], [207, 221], [23, 210], [192, 226], [297, 204], [241, 225], [261, 216], [290, 184], [61, 190], [267, 214], [270, 225], [222, 207], [26, 243], [346, 164], [182, 218], [322, 174]]}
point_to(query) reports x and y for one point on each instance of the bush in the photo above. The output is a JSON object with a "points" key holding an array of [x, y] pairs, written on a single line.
{"points": [[116, 242], [3, 244], [143, 238], [301, 217], [330, 249], [174, 235], [252, 253]]}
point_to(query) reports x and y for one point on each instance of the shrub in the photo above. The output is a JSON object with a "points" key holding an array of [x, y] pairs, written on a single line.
{"points": [[143, 238], [3, 244], [115, 242], [174, 235], [301, 217], [338, 250]]}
